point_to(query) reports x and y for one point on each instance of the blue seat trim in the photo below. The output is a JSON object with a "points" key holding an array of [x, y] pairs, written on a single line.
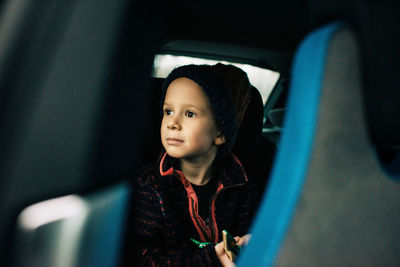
{"points": [[292, 159], [107, 226]]}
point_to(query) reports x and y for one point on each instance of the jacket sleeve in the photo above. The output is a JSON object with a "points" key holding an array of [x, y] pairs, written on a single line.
{"points": [[150, 244]]}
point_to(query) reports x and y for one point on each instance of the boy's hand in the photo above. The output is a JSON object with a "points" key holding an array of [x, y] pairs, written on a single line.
{"points": [[222, 256], [243, 241]]}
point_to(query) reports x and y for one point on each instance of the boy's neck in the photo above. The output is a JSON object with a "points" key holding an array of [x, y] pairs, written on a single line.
{"points": [[198, 173]]}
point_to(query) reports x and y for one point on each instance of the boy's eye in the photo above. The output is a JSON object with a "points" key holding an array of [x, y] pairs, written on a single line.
{"points": [[190, 114], [167, 112]]}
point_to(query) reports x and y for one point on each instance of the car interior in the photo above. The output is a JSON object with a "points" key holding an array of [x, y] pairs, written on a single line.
{"points": [[79, 115]]}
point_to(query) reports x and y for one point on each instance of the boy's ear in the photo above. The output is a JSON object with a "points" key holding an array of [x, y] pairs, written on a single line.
{"points": [[220, 139]]}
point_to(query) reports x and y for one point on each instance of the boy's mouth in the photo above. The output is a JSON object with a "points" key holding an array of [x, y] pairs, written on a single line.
{"points": [[174, 141]]}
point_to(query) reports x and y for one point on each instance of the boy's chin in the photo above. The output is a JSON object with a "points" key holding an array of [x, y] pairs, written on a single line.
{"points": [[180, 155], [174, 154]]}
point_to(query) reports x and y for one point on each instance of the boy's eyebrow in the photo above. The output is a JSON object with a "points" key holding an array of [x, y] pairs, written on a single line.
{"points": [[186, 106], [192, 106]]}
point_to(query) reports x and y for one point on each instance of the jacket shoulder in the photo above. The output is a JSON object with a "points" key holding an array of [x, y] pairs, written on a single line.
{"points": [[146, 174]]}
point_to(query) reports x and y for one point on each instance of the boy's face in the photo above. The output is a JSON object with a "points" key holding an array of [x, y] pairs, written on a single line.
{"points": [[188, 128]]}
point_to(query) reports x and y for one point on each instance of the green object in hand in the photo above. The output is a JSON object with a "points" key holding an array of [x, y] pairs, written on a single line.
{"points": [[200, 244]]}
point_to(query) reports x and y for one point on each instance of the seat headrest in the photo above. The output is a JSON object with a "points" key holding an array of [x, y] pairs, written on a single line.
{"points": [[250, 130]]}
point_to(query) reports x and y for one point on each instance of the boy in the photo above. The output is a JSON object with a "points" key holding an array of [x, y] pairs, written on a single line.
{"points": [[198, 188]]}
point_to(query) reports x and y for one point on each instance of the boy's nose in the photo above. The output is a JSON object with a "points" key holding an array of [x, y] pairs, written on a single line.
{"points": [[173, 124]]}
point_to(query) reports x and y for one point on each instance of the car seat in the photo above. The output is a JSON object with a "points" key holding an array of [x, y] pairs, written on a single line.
{"points": [[255, 151], [330, 202], [71, 77]]}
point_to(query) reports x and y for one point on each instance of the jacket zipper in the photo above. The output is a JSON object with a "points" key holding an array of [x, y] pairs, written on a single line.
{"points": [[211, 205]]}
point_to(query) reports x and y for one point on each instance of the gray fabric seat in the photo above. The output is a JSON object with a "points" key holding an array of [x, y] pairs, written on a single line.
{"points": [[348, 213], [330, 202]]}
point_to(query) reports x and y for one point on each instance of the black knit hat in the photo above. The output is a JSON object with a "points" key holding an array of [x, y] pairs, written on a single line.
{"points": [[221, 105]]}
